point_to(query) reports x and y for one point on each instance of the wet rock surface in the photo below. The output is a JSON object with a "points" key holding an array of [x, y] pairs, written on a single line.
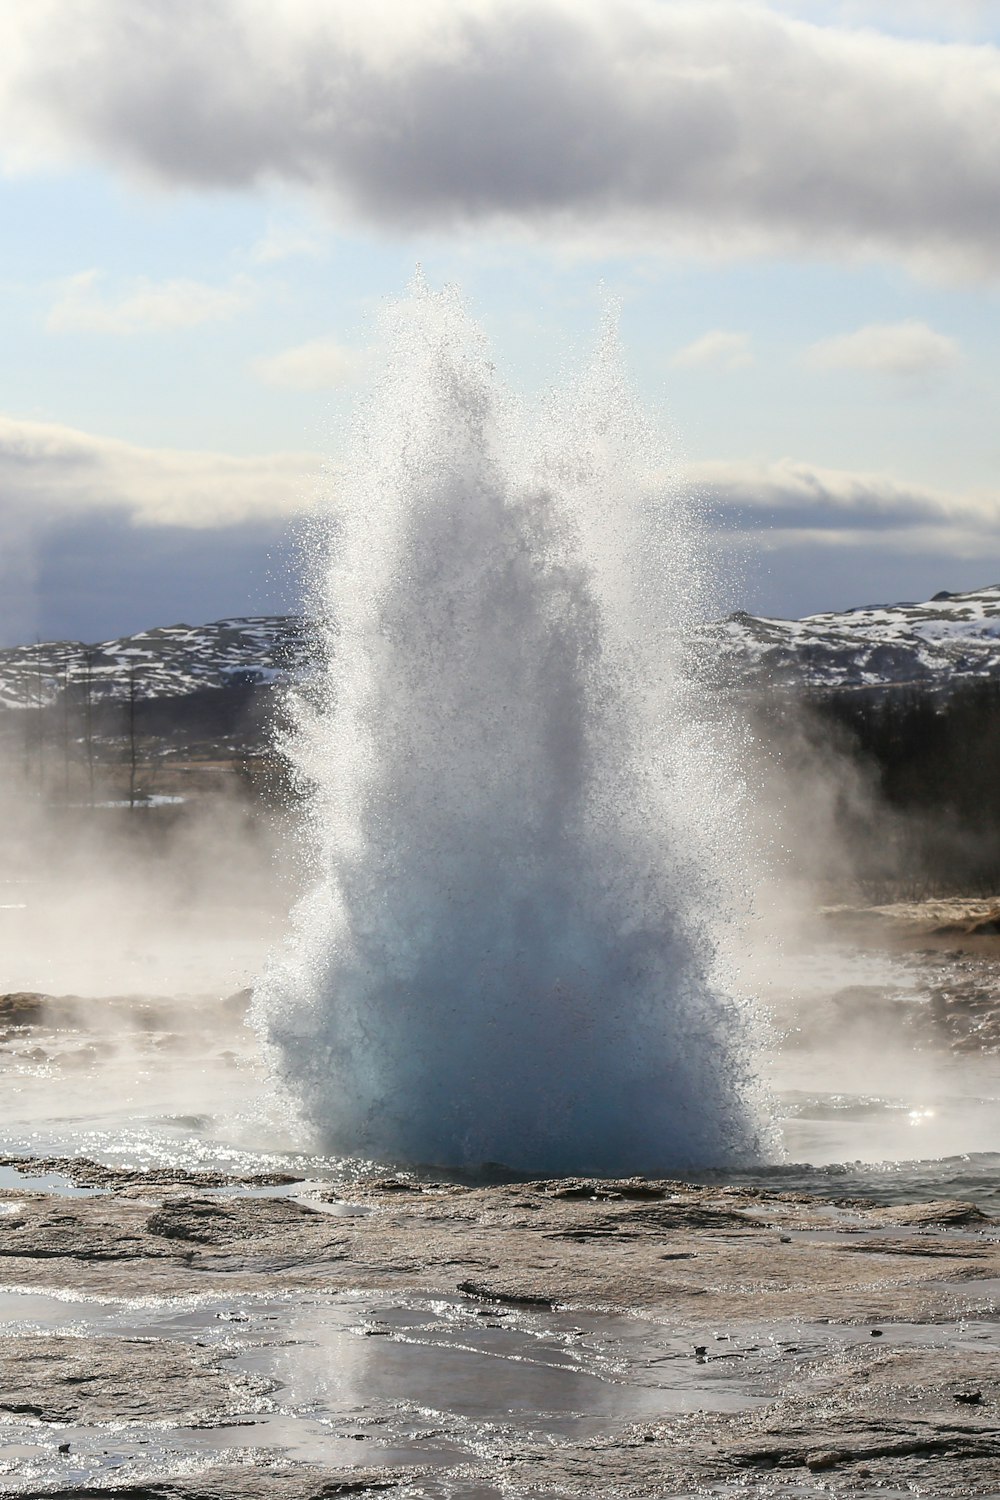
{"points": [[83, 1173], [20, 1009], [61, 1380], [285, 1482], [843, 1341], [863, 1422], [950, 1005]]}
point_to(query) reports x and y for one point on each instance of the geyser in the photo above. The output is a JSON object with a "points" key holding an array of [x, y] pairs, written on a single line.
{"points": [[521, 826]]}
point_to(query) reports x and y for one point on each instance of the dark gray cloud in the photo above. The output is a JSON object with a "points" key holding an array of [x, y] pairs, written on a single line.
{"points": [[97, 576], [99, 537], [790, 498], [704, 125], [806, 539]]}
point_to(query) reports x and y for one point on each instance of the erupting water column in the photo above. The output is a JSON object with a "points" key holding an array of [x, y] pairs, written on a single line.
{"points": [[518, 818]]}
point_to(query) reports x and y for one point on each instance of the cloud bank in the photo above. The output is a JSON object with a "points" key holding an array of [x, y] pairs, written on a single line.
{"points": [[49, 473], [99, 537], [839, 508], [717, 127]]}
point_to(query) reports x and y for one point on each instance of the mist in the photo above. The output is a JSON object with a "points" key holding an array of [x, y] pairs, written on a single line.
{"points": [[131, 929], [876, 1048], [180, 898]]}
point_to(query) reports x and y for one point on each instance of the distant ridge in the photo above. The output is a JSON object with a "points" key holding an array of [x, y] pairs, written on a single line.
{"points": [[166, 662], [949, 639]]}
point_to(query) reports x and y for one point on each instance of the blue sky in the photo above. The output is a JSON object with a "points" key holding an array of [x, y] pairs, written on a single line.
{"points": [[794, 203]]}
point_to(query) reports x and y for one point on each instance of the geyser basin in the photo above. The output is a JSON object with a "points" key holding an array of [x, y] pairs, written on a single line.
{"points": [[522, 814]]}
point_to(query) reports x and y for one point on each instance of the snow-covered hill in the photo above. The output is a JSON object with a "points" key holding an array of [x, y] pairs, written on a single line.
{"points": [[951, 638], [161, 663]]}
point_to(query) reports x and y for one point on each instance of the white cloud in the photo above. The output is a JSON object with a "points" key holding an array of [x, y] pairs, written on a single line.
{"points": [[322, 364], [48, 471], [718, 127], [147, 305], [719, 347], [903, 349]]}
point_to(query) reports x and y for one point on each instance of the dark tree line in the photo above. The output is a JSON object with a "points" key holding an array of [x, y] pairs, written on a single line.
{"points": [[932, 763], [73, 739]]}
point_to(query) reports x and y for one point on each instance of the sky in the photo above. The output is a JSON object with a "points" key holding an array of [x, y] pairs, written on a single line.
{"points": [[796, 205]]}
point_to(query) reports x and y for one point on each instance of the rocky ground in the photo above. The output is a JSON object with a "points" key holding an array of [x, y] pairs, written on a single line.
{"points": [[204, 1335], [851, 1345]]}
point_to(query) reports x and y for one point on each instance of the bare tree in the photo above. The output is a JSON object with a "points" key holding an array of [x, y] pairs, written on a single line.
{"points": [[88, 717], [39, 716], [65, 730], [132, 756]]}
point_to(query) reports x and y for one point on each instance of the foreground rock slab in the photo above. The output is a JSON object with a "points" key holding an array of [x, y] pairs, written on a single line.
{"points": [[847, 1344], [279, 1482]]}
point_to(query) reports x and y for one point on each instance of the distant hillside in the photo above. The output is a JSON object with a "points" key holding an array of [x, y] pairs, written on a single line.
{"points": [[951, 639], [168, 662], [898, 707]]}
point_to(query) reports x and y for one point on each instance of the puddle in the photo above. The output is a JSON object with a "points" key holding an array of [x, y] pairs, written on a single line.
{"points": [[43, 1182], [366, 1379]]}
